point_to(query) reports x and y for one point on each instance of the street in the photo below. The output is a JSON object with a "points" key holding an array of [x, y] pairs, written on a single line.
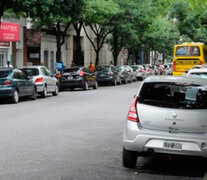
{"points": [[77, 135]]}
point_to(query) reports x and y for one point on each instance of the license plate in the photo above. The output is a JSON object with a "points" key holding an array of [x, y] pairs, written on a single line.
{"points": [[70, 77], [172, 145]]}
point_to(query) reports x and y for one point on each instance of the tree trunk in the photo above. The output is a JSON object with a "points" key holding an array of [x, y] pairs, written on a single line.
{"points": [[116, 49], [78, 27], [97, 57], [58, 53]]}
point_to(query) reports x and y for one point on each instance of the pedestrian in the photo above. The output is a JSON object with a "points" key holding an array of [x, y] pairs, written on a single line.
{"points": [[73, 64], [111, 63], [8, 65], [91, 67]]}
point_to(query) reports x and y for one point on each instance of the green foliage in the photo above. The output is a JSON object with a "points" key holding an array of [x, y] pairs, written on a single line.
{"points": [[191, 18]]}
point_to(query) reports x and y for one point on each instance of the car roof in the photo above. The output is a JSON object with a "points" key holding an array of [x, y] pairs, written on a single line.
{"points": [[35, 66], [177, 79]]}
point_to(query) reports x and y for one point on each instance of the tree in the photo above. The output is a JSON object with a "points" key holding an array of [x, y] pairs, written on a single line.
{"points": [[98, 15], [191, 18], [53, 16], [77, 21]]}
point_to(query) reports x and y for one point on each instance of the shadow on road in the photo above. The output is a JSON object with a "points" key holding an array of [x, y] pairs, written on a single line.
{"points": [[175, 165]]}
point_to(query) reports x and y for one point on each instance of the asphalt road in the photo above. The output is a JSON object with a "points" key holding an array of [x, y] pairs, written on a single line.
{"points": [[77, 136]]}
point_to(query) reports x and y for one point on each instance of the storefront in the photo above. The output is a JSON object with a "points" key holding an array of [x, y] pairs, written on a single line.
{"points": [[5, 53]]}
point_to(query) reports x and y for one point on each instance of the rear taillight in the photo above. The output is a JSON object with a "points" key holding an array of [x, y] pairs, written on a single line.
{"points": [[132, 114], [39, 80], [81, 74], [7, 83], [148, 70], [174, 64], [140, 70]]}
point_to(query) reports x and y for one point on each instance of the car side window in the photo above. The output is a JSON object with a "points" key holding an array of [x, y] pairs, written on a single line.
{"points": [[48, 73], [17, 75], [23, 76], [43, 70]]}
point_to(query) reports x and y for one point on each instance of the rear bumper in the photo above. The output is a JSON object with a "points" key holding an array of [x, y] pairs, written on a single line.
{"points": [[5, 92], [135, 138], [177, 73], [105, 80], [72, 84], [39, 87]]}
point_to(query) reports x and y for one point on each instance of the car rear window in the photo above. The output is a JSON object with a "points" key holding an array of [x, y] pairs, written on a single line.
{"points": [[199, 74], [104, 69], [4, 74], [174, 95], [71, 70], [31, 71]]}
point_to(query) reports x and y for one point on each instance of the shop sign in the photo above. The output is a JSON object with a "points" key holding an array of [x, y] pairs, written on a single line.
{"points": [[9, 31], [4, 44]]}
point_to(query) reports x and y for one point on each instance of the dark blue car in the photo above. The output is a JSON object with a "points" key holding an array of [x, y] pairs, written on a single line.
{"points": [[15, 84]]}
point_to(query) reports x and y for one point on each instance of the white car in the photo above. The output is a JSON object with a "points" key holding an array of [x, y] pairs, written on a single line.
{"points": [[168, 115], [43, 79], [198, 73]]}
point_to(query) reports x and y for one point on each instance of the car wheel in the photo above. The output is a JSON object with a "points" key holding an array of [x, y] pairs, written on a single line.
{"points": [[55, 93], [95, 85], [15, 97], [34, 94], [86, 86], [71, 89], [129, 158], [44, 93]]}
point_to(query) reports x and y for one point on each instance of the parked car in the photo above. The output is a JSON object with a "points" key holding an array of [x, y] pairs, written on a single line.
{"points": [[139, 72], [197, 73], [167, 115], [77, 77], [107, 74], [15, 84], [123, 74], [148, 69], [43, 79]]}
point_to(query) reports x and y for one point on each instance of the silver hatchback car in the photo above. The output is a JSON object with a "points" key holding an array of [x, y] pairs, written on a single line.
{"points": [[168, 115], [43, 79]]}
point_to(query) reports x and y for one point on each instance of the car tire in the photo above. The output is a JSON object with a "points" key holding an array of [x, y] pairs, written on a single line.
{"points": [[55, 93], [15, 97], [71, 89], [129, 158], [34, 94], [44, 93], [86, 86], [95, 85]]}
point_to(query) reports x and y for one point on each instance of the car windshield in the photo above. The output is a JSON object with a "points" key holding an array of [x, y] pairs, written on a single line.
{"points": [[188, 51], [4, 74], [31, 71], [135, 68], [174, 95], [199, 74]]}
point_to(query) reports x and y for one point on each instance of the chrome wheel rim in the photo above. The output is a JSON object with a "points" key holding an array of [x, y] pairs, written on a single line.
{"points": [[16, 96]]}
